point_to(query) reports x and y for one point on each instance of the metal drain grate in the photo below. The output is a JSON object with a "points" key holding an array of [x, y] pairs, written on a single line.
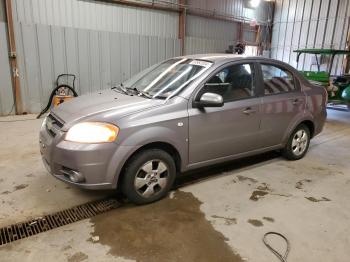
{"points": [[32, 227]]}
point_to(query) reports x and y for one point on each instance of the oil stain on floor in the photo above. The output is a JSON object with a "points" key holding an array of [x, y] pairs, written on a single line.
{"points": [[300, 184], [270, 219], [257, 194], [228, 220], [77, 257], [169, 230], [312, 199], [18, 187], [255, 222]]}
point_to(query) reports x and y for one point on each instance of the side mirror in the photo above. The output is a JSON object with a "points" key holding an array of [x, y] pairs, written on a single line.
{"points": [[210, 100]]}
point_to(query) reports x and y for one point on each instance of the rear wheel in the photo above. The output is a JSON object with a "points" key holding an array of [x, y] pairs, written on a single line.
{"points": [[298, 143], [149, 176]]}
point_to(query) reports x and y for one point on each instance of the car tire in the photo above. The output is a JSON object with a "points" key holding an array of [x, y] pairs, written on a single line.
{"points": [[298, 143], [148, 176]]}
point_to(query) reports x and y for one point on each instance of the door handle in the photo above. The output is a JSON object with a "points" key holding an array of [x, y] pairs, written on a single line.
{"points": [[249, 111], [296, 101]]}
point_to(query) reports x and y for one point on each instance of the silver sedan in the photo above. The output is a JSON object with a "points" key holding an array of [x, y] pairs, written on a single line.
{"points": [[184, 113]]}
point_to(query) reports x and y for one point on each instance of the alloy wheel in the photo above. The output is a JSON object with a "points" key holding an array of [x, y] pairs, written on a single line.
{"points": [[299, 142], [151, 178]]}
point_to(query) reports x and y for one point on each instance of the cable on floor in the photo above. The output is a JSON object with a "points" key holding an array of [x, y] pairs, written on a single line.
{"points": [[282, 258]]}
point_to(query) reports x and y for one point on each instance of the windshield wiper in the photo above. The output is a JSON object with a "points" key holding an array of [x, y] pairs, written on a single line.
{"points": [[121, 89], [140, 92]]}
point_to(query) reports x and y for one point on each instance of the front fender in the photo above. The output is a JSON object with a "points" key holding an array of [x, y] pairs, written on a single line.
{"points": [[176, 136], [151, 134]]}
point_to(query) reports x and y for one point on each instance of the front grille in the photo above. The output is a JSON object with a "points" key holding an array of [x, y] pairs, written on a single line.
{"points": [[53, 124], [52, 133], [55, 120], [32, 227]]}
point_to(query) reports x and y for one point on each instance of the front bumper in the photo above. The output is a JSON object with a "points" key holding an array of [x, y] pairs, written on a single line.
{"points": [[99, 164]]}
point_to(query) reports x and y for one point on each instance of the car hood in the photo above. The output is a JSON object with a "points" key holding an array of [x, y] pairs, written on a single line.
{"points": [[107, 105]]}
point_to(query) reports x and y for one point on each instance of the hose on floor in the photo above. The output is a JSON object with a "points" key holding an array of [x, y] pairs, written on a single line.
{"points": [[53, 93], [282, 258]]}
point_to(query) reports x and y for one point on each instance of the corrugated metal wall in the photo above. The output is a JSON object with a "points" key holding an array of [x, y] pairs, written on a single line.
{"points": [[100, 59], [2, 12], [309, 24], [212, 35], [6, 97], [236, 8], [52, 38], [99, 16], [210, 28], [205, 35], [105, 43]]}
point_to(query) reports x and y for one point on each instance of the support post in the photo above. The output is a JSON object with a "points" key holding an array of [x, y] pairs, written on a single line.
{"points": [[347, 57], [13, 59], [258, 40], [182, 25]]}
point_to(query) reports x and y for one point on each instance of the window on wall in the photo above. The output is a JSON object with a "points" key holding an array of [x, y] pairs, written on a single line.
{"points": [[277, 80], [233, 82]]}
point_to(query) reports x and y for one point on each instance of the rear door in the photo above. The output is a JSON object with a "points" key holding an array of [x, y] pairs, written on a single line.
{"points": [[283, 103]]}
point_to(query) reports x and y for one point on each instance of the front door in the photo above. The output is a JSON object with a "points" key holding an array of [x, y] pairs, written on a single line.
{"points": [[216, 132]]}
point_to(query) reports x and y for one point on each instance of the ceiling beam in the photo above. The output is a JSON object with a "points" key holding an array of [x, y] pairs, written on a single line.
{"points": [[153, 5]]}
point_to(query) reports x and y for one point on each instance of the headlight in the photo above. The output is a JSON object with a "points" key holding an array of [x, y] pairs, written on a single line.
{"points": [[92, 132]]}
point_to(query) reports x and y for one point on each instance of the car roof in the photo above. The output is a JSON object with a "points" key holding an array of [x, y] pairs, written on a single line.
{"points": [[220, 57]]}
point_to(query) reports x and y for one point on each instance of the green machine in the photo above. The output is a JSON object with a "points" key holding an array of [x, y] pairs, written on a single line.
{"points": [[338, 87]]}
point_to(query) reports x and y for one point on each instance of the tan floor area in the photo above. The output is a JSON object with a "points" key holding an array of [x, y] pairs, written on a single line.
{"points": [[220, 218]]}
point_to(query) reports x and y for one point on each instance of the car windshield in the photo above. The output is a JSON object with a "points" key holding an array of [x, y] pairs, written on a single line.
{"points": [[168, 78]]}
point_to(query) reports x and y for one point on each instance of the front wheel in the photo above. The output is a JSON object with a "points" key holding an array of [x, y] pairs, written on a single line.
{"points": [[148, 176], [298, 143]]}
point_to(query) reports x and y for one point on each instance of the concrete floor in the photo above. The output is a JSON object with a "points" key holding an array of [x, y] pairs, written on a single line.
{"points": [[220, 218]]}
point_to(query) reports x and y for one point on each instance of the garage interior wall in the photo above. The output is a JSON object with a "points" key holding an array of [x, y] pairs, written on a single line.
{"points": [[309, 24], [6, 96], [105, 43], [205, 34], [234, 8]]}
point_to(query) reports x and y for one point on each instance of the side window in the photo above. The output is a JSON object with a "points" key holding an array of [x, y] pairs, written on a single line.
{"points": [[277, 80], [233, 82]]}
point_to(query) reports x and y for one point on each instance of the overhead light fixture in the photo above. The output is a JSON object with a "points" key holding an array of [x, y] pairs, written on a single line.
{"points": [[255, 3]]}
